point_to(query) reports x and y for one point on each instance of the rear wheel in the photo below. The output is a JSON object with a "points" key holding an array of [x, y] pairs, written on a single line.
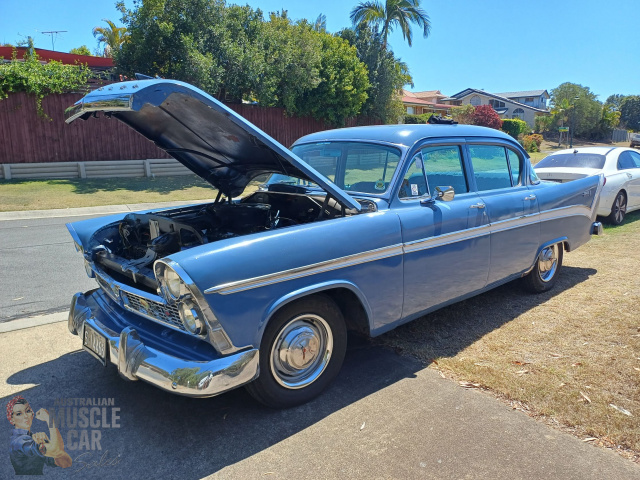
{"points": [[545, 272], [301, 352], [618, 209]]}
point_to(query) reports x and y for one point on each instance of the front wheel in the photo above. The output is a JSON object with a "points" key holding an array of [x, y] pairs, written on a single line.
{"points": [[301, 352], [618, 209], [545, 272]]}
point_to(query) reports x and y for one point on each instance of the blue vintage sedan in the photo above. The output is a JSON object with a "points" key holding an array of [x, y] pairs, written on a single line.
{"points": [[352, 229]]}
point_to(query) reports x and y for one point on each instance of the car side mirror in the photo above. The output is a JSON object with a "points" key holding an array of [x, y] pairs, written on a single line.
{"points": [[446, 194]]}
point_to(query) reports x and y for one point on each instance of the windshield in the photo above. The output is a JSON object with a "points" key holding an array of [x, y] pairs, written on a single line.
{"points": [[352, 166], [572, 160]]}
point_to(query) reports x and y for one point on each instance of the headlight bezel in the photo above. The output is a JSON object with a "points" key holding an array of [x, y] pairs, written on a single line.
{"points": [[166, 277], [191, 317]]}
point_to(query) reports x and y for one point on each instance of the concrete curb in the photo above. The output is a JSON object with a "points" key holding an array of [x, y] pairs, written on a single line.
{"points": [[84, 211], [23, 323]]}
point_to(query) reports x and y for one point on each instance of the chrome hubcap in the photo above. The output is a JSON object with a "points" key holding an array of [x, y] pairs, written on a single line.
{"points": [[301, 351], [548, 263], [619, 208]]}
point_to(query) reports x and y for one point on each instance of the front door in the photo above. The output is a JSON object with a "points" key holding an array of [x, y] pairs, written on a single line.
{"points": [[446, 244]]}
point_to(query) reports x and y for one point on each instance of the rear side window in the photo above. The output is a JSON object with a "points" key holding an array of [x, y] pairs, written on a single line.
{"points": [[626, 160], [490, 167], [572, 160]]}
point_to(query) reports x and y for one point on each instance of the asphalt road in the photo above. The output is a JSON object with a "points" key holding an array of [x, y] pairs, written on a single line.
{"points": [[39, 267]]}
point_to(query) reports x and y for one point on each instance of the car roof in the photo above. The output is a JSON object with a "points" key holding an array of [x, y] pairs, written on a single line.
{"points": [[406, 135]]}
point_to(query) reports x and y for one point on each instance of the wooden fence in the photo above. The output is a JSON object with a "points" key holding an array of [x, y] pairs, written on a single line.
{"points": [[27, 138]]}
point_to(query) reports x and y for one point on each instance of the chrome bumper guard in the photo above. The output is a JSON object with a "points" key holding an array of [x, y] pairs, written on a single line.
{"points": [[135, 361], [596, 228]]}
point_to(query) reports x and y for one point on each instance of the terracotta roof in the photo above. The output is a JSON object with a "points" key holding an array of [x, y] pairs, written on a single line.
{"points": [[425, 93], [66, 58]]}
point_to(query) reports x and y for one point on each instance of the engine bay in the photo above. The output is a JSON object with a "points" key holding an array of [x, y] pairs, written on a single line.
{"points": [[127, 249]]}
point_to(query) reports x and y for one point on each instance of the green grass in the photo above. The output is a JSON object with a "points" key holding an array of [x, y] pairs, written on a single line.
{"points": [[49, 194]]}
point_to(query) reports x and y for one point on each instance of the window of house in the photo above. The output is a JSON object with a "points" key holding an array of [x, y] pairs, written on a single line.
{"points": [[496, 103], [518, 113], [410, 110], [475, 100], [490, 167], [528, 100]]}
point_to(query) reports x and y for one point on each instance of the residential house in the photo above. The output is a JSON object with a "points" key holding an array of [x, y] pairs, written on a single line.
{"points": [[508, 107], [429, 101]]}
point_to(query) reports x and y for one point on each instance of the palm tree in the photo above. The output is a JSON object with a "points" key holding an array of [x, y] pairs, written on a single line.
{"points": [[393, 13], [112, 37]]}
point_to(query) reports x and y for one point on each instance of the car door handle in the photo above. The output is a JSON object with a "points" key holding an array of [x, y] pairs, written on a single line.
{"points": [[629, 176], [530, 197], [478, 205]]}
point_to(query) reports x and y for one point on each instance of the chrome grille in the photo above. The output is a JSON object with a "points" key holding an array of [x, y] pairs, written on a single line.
{"points": [[155, 310]]}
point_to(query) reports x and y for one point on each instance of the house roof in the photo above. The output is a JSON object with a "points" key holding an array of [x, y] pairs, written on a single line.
{"points": [[470, 91], [419, 101], [95, 63], [525, 93], [424, 93]]}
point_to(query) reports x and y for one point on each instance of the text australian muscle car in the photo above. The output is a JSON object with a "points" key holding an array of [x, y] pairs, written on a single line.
{"points": [[360, 228]]}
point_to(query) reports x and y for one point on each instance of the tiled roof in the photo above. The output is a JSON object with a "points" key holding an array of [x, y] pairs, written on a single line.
{"points": [[469, 91], [419, 101], [425, 93], [526, 93]]}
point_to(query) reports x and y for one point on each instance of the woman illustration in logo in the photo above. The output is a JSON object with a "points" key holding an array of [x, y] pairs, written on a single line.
{"points": [[30, 452]]}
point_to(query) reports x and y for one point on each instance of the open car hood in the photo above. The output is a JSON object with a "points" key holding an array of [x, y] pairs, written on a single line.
{"points": [[201, 133]]}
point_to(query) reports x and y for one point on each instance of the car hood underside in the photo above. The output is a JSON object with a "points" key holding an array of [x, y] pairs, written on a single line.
{"points": [[201, 133]]}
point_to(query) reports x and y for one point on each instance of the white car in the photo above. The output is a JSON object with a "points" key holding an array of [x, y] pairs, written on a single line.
{"points": [[619, 165]]}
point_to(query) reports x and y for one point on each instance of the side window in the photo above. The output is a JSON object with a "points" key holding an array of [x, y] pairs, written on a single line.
{"points": [[443, 166], [636, 158], [514, 164], [490, 167], [413, 184], [625, 161]]}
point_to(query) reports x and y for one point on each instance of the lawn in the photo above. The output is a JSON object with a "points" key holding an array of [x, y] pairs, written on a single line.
{"points": [[570, 356], [47, 194]]}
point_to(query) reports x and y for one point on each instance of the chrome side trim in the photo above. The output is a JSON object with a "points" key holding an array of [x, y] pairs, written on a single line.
{"points": [[398, 249], [120, 103], [313, 269], [446, 239]]}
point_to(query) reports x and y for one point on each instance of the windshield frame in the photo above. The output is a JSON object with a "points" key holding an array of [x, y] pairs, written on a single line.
{"points": [[401, 150]]}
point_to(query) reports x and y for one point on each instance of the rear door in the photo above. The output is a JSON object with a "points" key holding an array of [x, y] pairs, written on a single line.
{"points": [[511, 208], [629, 165]]}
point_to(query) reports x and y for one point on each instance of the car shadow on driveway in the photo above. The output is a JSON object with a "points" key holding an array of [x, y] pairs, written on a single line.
{"points": [[168, 436]]}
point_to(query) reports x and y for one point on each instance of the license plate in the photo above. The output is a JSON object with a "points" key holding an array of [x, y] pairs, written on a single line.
{"points": [[95, 344]]}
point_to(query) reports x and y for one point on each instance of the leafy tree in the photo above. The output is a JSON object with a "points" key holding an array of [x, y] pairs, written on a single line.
{"points": [[630, 112], [543, 123], [343, 85], [111, 36], [463, 114], [40, 79], [615, 100], [232, 53], [83, 50], [387, 74], [579, 106], [486, 116], [394, 13]]}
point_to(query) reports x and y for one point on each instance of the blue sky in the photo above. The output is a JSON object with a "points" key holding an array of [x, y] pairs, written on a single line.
{"points": [[495, 45]]}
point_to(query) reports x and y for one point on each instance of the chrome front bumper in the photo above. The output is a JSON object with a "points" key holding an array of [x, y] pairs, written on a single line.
{"points": [[136, 361]]}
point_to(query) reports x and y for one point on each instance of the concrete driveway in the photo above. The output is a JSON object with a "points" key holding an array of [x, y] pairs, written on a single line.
{"points": [[386, 416]]}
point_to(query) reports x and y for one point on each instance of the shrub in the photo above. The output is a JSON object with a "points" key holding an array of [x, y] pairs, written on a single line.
{"points": [[486, 116], [515, 127], [463, 114], [411, 119], [531, 143]]}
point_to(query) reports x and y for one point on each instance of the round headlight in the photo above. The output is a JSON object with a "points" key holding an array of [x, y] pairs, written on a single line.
{"points": [[173, 283], [190, 316]]}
